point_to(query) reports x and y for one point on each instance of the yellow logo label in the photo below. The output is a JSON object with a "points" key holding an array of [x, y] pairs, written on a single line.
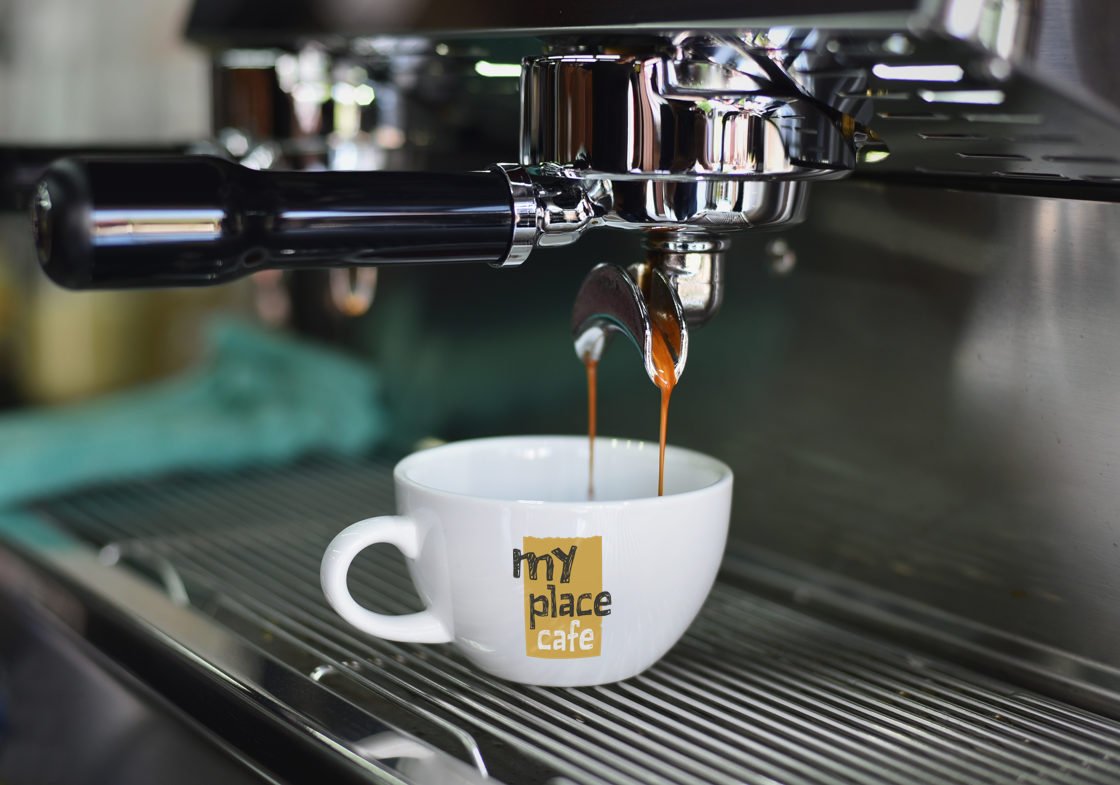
{"points": [[564, 598]]}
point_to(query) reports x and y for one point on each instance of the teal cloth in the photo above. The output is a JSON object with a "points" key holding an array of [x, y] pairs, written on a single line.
{"points": [[32, 531], [260, 397]]}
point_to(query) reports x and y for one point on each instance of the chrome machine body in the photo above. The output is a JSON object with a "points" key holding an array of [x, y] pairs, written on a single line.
{"points": [[917, 382]]}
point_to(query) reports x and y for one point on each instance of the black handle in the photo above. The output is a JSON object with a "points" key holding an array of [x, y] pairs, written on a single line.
{"points": [[103, 223], [21, 167]]}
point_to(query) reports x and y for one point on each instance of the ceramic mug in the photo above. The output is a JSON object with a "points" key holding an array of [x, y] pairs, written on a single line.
{"points": [[531, 580]]}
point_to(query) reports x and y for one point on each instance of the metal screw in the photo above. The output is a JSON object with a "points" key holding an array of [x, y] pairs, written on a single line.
{"points": [[997, 69], [782, 258], [898, 44]]}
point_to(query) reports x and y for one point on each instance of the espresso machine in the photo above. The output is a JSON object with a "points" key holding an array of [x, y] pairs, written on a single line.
{"points": [[883, 231]]}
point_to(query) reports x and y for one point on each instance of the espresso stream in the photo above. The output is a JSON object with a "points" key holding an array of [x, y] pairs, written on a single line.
{"points": [[666, 379], [592, 366]]}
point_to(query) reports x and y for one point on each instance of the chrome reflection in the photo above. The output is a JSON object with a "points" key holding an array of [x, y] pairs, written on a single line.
{"points": [[420, 762], [607, 115], [140, 227]]}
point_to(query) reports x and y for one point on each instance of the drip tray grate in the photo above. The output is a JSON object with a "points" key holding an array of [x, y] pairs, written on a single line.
{"points": [[754, 693]]}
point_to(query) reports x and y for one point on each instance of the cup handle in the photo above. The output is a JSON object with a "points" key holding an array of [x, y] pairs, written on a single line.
{"points": [[397, 530]]}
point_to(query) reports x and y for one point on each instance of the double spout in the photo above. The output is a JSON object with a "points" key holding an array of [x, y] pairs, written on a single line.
{"points": [[639, 304], [652, 303]]}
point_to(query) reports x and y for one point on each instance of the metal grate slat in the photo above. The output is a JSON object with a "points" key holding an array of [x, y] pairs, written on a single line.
{"points": [[948, 699]]}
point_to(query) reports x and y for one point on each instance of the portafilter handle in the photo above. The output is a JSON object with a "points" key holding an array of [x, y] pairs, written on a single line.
{"points": [[117, 222]]}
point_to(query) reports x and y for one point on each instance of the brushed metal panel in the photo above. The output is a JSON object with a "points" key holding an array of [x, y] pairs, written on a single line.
{"points": [[943, 417]]}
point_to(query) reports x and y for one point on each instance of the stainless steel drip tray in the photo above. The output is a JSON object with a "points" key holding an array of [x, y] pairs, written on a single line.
{"points": [[239, 636]]}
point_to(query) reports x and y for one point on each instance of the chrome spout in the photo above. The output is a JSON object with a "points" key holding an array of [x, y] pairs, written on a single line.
{"points": [[633, 303], [692, 264]]}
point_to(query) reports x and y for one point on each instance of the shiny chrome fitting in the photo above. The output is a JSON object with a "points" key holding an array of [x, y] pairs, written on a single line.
{"points": [[686, 117], [526, 214], [549, 209], [693, 266]]}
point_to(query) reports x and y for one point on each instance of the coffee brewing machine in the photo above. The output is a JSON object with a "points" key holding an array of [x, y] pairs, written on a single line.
{"points": [[685, 139], [915, 380]]}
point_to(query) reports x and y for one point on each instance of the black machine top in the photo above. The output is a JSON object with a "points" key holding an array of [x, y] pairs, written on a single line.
{"points": [[225, 23]]}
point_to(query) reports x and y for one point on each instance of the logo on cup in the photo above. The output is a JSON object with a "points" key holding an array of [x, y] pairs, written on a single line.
{"points": [[564, 598]]}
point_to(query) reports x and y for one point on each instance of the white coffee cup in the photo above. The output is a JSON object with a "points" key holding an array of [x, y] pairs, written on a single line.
{"points": [[532, 581]]}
